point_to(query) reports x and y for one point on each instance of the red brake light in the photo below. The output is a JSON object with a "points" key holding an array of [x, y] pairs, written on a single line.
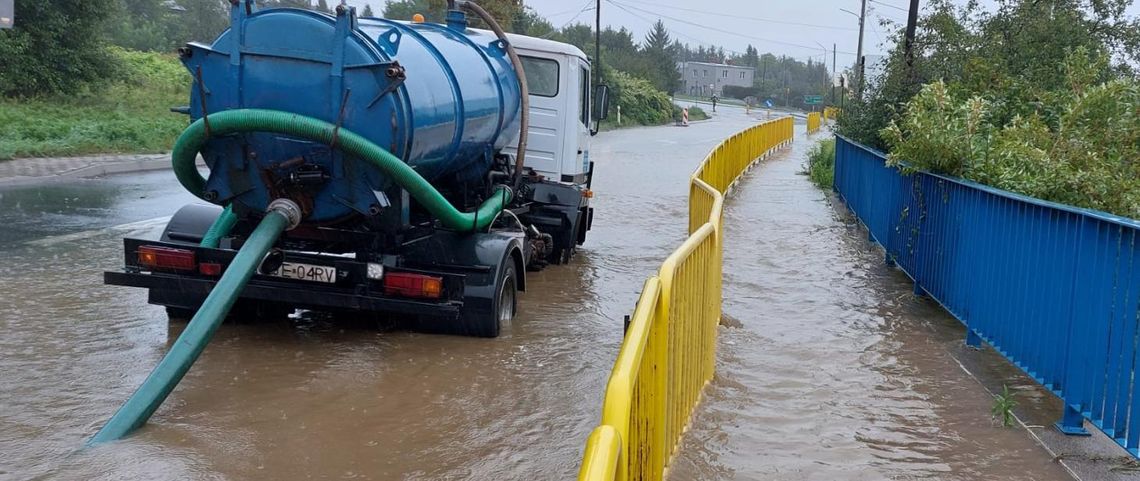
{"points": [[210, 269], [407, 284], [158, 257]]}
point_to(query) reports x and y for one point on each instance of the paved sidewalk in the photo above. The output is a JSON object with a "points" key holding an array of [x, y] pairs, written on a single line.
{"points": [[47, 169]]}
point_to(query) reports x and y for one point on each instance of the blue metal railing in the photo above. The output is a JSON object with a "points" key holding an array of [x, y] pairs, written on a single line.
{"points": [[1053, 288]]}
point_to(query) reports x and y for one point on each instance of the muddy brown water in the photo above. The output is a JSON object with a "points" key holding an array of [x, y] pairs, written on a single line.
{"points": [[828, 367], [830, 371]]}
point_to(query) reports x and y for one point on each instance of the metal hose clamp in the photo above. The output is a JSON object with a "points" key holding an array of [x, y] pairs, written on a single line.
{"points": [[287, 208]]}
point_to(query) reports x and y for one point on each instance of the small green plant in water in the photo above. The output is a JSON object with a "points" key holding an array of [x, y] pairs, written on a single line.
{"points": [[1002, 409], [820, 165]]}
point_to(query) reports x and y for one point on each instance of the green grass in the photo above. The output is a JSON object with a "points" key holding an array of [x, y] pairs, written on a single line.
{"points": [[127, 115], [820, 166]]}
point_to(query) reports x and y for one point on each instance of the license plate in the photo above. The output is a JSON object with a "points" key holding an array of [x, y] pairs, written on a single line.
{"points": [[306, 272]]}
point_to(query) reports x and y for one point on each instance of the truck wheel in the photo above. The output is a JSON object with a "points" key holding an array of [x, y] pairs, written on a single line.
{"points": [[488, 323], [507, 302]]}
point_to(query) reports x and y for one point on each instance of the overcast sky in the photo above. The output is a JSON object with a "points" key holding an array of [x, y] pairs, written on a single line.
{"points": [[783, 27]]}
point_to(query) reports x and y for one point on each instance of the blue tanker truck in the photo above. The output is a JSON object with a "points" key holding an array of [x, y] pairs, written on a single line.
{"points": [[416, 170]]}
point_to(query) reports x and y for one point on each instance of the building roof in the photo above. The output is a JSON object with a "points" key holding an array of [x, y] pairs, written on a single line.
{"points": [[716, 64]]}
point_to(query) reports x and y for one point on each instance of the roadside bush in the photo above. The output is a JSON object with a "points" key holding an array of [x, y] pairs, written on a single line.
{"points": [[820, 166], [641, 103], [1090, 159], [56, 47], [695, 113], [130, 113], [739, 92]]}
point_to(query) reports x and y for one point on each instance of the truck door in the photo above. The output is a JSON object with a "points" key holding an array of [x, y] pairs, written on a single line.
{"points": [[577, 162], [547, 80]]}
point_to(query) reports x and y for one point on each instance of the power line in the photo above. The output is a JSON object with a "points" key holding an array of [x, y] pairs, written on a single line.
{"points": [[727, 32], [741, 17], [589, 5], [572, 10], [889, 5], [675, 32]]}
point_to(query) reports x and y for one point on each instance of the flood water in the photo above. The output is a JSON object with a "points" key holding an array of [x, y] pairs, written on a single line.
{"points": [[828, 366], [828, 369]]}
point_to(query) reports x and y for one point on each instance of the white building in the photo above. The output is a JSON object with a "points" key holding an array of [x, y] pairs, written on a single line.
{"points": [[703, 79]]}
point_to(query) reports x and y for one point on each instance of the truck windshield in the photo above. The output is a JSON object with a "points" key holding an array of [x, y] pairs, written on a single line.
{"points": [[541, 75]]}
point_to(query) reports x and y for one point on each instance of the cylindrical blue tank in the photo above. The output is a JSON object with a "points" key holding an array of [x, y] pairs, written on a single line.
{"points": [[443, 98]]}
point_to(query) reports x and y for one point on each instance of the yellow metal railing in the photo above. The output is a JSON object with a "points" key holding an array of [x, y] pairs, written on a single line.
{"points": [[813, 123], [667, 356], [829, 113]]}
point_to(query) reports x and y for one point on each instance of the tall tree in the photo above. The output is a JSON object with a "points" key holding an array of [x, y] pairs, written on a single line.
{"points": [[662, 69], [57, 46], [432, 10], [203, 20], [367, 11], [657, 40], [528, 22], [323, 6], [751, 57], [144, 25]]}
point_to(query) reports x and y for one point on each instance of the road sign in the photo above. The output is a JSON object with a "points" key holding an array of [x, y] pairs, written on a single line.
{"points": [[768, 103], [813, 99], [7, 13]]}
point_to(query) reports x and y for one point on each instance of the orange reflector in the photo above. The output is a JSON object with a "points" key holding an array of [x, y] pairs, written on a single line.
{"points": [[589, 194], [158, 257], [418, 18], [407, 284], [210, 269]]}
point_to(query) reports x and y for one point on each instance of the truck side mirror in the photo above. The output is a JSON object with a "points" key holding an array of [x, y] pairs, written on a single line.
{"points": [[601, 102]]}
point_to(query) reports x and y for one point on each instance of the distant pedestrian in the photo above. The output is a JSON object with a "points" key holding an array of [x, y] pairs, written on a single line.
{"points": [[714, 102]]}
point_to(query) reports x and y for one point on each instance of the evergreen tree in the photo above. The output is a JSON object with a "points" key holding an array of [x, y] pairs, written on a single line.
{"points": [[367, 11], [663, 69], [751, 57]]}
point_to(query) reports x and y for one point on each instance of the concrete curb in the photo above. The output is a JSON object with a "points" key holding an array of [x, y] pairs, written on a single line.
{"points": [[95, 170]]}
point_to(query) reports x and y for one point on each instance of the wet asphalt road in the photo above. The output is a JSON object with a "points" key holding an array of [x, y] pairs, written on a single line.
{"points": [[822, 373]]}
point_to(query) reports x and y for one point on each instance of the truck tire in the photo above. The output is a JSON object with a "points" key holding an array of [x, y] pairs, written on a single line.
{"points": [[489, 323]]}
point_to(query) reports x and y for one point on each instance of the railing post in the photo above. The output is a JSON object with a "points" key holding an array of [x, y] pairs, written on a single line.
{"points": [[972, 337], [1072, 421]]}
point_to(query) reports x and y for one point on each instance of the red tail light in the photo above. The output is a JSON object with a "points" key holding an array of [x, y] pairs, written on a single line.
{"points": [[158, 257], [210, 269], [407, 284]]}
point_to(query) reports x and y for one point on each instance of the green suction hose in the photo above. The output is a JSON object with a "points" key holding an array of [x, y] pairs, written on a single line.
{"points": [[255, 120], [220, 228], [282, 214], [190, 344]]}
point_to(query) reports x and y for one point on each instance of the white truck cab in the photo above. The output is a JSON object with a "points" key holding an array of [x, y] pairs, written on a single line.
{"points": [[562, 112]]}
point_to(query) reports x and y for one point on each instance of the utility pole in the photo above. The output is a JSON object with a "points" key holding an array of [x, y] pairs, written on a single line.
{"points": [[833, 73], [859, 50], [911, 23], [598, 43]]}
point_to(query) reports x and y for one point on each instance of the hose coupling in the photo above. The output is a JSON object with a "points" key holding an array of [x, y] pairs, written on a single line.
{"points": [[287, 208], [510, 193]]}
